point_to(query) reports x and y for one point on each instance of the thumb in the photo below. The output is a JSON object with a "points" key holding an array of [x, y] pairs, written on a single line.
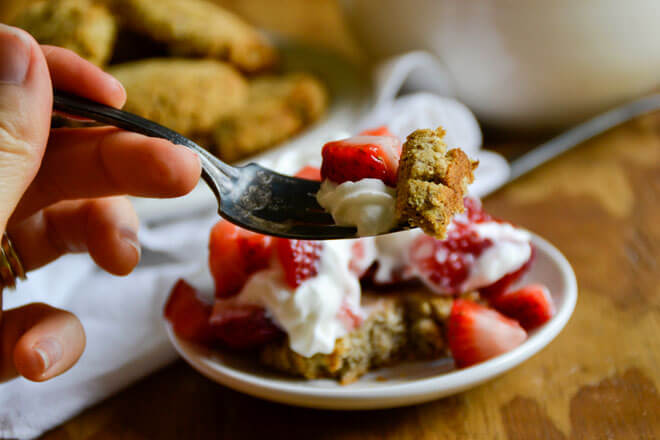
{"points": [[26, 98]]}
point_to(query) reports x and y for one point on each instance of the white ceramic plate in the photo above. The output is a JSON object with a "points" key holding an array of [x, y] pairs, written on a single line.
{"points": [[405, 384], [350, 92]]}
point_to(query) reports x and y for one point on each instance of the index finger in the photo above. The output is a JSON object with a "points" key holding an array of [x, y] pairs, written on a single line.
{"points": [[71, 73]]}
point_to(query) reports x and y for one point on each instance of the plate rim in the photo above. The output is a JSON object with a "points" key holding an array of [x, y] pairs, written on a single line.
{"points": [[393, 394]]}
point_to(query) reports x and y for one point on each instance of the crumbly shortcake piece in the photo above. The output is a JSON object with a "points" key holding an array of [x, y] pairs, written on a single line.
{"points": [[186, 95], [198, 28], [277, 108], [431, 182], [406, 325], [79, 25], [379, 341]]}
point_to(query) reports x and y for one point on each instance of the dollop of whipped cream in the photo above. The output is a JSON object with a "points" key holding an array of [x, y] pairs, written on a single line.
{"points": [[312, 313], [367, 204], [511, 249], [392, 252]]}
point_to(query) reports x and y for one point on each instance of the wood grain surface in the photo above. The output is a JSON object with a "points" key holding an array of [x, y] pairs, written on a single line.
{"points": [[598, 380]]}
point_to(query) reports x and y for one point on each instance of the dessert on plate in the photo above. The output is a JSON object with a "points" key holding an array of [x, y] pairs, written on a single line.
{"points": [[340, 308]]}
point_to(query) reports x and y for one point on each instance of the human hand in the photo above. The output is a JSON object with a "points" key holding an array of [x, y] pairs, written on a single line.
{"points": [[60, 191]]}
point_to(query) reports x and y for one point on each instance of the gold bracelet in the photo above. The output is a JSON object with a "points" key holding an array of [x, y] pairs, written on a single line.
{"points": [[11, 266]]}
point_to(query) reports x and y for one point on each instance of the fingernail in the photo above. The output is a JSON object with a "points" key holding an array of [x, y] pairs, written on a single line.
{"points": [[15, 49], [119, 87], [129, 236], [50, 351]]}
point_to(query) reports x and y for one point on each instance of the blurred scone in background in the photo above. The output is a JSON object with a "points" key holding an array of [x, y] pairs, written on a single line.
{"points": [[199, 67]]}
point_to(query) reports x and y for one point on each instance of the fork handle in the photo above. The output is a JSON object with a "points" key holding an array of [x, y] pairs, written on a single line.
{"points": [[215, 173]]}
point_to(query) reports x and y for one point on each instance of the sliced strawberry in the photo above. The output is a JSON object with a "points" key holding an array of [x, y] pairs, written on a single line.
{"points": [[234, 254], [500, 286], [310, 173], [531, 306], [378, 131], [476, 333], [445, 264], [188, 314], [242, 326], [474, 210], [362, 157], [300, 259], [256, 250]]}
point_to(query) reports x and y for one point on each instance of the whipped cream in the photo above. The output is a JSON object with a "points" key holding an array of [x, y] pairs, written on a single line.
{"points": [[367, 204], [392, 252], [511, 249], [311, 313]]}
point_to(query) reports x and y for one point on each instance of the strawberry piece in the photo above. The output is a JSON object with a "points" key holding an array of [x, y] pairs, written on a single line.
{"points": [[531, 306], [256, 249], [235, 254], [378, 131], [474, 210], [445, 264], [310, 173], [188, 314], [476, 333], [362, 157], [300, 259], [225, 263], [502, 285], [242, 326]]}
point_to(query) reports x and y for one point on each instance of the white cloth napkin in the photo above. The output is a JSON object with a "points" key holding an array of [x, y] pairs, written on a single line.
{"points": [[126, 339]]}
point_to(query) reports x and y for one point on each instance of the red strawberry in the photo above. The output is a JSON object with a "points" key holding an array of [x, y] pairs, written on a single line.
{"points": [[532, 305], [310, 173], [235, 254], [445, 264], [188, 314], [474, 210], [378, 131], [242, 326], [299, 258], [362, 157], [476, 333]]}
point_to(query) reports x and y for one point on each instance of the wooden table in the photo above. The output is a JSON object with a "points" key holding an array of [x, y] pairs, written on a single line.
{"points": [[598, 379]]}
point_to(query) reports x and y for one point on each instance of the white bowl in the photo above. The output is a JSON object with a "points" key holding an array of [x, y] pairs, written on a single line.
{"points": [[522, 64], [403, 384]]}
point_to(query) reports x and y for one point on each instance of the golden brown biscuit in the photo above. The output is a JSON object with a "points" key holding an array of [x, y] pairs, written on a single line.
{"points": [[277, 108], [198, 28], [431, 182], [80, 25], [185, 95]]}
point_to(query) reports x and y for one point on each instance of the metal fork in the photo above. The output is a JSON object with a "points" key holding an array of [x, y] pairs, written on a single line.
{"points": [[267, 202], [250, 196]]}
